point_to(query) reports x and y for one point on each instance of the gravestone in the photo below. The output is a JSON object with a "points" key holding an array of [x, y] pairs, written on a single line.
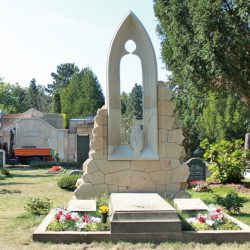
{"points": [[153, 162], [189, 205], [197, 169], [82, 205], [247, 141], [142, 216], [2, 158]]}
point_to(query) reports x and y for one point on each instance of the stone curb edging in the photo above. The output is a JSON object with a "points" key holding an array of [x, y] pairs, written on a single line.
{"points": [[40, 234]]}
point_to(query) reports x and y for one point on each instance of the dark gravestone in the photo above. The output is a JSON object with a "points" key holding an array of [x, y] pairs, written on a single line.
{"points": [[247, 141], [2, 158], [197, 169]]}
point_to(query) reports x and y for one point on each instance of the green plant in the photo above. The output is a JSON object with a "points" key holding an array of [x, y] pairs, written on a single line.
{"points": [[232, 202], [229, 225], [68, 182], [38, 206], [56, 226], [65, 165], [102, 200], [97, 227], [228, 160], [5, 172]]}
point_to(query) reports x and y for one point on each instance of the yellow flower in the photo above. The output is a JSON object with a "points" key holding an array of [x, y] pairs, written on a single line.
{"points": [[103, 209]]}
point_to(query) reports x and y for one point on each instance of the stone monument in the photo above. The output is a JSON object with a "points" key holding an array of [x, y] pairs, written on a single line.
{"points": [[154, 163]]}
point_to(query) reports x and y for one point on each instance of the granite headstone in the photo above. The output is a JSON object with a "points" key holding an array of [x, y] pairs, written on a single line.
{"points": [[197, 169]]}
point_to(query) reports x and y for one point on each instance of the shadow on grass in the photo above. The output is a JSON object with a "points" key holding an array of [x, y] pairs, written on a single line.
{"points": [[28, 175], [15, 183], [6, 191]]}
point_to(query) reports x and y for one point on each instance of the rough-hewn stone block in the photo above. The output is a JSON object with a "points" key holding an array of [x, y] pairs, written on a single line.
{"points": [[166, 108], [112, 166], [98, 143], [97, 178], [122, 178], [173, 150], [180, 174], [176, 136], [165, 163], [101, 188], [113, 188], [164, 93], [163, 135], [141, 181], [103, 111], [161, 177], [98, 154], [166, 122], [85, 191], [101, 120], [91, 167], [153, 166], [100, 131], [139, 165]]}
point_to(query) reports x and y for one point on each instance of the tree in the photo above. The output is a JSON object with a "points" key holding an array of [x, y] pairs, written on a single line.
{"points": [[135, 104], [12, 98], [32, 95], [56, 102], [62, 77], [224, 117], [206, 43], [37, 98], [124, 102], [83, 96]]}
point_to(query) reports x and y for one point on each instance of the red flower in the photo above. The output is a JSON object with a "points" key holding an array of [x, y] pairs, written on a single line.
{"points": [[58, 217], [68, 217], [202, 219], [56, 168], [218, 210]]}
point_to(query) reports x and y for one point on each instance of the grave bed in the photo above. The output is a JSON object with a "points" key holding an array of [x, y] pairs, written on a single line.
{"points": [[218, 236]]}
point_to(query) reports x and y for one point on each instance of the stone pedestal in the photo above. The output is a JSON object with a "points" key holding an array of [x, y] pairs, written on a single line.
{"points": [[143, 215]]}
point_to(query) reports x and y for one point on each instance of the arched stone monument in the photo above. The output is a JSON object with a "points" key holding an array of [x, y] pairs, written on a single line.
{"points": [[156, 164]]}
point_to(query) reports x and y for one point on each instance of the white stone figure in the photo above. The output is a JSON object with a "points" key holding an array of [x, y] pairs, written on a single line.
{"points": [[137, 139]]}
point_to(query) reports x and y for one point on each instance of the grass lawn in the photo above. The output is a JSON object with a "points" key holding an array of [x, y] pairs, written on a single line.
{"points": [[16, 225]]}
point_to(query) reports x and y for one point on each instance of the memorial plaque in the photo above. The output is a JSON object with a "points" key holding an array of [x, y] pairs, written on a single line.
{"points": [[197, 169], [2, 158], [82, 205], [190, 205]]}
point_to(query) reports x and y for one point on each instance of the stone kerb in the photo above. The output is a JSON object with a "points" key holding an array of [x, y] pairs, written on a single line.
{"points": [[166, 175]]}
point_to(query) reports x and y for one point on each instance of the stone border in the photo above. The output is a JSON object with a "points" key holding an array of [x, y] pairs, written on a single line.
{"points": [[40, 234]]}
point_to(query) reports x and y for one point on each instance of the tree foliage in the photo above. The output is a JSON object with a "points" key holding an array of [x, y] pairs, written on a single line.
{"points": [[83, 96], [62, 77], [224, 117], [206, 43]]}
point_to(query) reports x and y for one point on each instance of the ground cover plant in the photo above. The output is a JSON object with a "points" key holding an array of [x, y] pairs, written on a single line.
{"points": [[17, 225]]}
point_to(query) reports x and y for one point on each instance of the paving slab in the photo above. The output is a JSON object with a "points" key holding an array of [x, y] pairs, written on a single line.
{"points": [[190, 205], [82, 205]]}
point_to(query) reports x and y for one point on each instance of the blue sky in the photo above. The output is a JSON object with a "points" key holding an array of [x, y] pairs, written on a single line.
{"points": [[38, 35]]}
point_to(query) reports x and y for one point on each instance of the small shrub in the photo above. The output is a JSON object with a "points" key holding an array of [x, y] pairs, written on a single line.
{"points": [[97, 227], [232, 202], [65, 165], [68, 182], [5, 172], [228, 160], [56, 226], [228, 226], [38, 206]]}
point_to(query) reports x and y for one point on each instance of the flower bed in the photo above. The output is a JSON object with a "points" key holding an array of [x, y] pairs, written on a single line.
{"points": [[214, 219], [65, 220]]}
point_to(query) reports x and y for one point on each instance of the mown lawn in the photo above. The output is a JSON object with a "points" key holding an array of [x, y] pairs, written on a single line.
{"points": [[16, 225]]}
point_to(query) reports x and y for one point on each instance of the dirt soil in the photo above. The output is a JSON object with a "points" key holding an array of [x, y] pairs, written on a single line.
{"points": [[243, 188]]}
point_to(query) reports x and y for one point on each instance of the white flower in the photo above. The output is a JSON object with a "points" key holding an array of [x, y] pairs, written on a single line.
{"points": [[95, 219], [75, 216], [192, 220], [209, 222], [80, 224]]}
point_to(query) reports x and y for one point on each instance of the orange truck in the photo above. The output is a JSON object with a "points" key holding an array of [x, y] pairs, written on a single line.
{"points": [[30, 155]]}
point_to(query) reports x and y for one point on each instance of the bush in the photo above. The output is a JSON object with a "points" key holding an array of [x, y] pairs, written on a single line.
{"points": [[232, 202], [102, 200], [68, 182], [228, 160], [5, 172], [38, 206], [65, 165]]}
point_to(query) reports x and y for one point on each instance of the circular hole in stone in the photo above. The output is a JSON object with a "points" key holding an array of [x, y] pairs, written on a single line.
{"points": [[130, 46]]}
